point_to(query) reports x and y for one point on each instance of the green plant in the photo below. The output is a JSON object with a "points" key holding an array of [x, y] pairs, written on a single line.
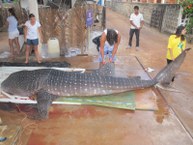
{"points": [[188, 11], [189, 26], [187, 6]]}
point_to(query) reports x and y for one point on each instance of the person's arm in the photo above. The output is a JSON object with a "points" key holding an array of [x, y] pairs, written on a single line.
{"points": [[116, 45], [141, 22], [102, 44], [7, 23], [170, 48], [171, 53], [184, 45], [25, 33], [40, 34], [131, 21]]}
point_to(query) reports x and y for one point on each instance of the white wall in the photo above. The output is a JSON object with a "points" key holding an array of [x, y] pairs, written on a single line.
{"points": [[32, 6], [24, 4], [73, 2]]}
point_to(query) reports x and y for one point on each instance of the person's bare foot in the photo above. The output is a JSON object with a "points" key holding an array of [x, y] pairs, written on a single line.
{"points": [[39, 61], [12, 57], [137, 48], [18, 53], [26, 62], [128, 47]]}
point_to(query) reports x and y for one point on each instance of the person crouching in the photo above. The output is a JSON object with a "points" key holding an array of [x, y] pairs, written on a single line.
{"points": [[109, 43]]}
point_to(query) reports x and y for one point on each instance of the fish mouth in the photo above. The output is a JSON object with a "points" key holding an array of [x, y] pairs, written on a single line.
{"points": [[6, 93], [12, 96]]}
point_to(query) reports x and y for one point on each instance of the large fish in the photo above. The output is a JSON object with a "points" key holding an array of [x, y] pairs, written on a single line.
{"points": [[48, 84]]}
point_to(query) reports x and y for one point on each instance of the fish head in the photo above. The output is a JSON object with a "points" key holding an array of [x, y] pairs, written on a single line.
{"points": [[15, 84]]}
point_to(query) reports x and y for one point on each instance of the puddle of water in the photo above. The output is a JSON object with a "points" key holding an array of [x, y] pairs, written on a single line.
{"points": [[163, 108]]}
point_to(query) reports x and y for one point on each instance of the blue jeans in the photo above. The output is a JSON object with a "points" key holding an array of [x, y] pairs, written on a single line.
{"points": [[32, 42], [137, 32], [107, 53]]}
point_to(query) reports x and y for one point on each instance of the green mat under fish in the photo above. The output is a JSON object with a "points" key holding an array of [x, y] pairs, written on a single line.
{"points": [[122, 101]]}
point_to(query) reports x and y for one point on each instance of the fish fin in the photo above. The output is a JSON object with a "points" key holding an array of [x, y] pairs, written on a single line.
{"points": [[44, 101], [106, 70]]}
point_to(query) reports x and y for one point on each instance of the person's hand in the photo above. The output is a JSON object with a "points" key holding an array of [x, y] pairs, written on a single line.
{"points": [[103, 62], [41, 40], [110, 60], [140, 28], [25, 39], [172, 58]]}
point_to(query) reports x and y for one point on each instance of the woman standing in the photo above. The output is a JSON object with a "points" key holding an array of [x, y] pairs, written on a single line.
{"points": [[13, 32], [176, 44], [31, 31]]}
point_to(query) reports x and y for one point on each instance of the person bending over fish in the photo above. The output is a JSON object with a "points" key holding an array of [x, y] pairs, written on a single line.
{"points": [[109, 44]]}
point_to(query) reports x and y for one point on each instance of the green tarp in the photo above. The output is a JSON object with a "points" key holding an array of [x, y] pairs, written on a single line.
{"points": [[122, 101]]}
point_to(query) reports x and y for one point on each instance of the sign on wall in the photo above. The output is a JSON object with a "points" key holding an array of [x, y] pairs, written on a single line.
{"points": [[8, 1], [89, 18]]}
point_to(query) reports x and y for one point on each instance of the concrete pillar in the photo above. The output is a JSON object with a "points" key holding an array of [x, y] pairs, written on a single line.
{"points": [[33, 8], [1, 4], [73, 2], [45, 2], [103, 2], [24, 4], [180, 16], [163, 1]]}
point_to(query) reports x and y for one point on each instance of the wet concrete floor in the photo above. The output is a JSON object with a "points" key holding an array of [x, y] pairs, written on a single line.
{"points": [[153, 123], [86, 125], [152, 54]]}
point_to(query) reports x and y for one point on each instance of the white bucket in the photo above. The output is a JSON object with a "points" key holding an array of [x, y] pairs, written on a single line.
{"points": [[53, 47]]}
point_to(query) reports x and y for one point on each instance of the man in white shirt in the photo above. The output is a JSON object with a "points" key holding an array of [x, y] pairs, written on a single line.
{"points": [[31, 32], [137, 22]]}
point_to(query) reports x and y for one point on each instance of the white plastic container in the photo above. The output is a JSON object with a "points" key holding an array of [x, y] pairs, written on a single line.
{"points": [[53, 47]]}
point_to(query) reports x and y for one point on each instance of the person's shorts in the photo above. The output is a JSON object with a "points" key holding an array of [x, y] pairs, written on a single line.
{"points": [[107, 54], [32, 42], [13, 35]]}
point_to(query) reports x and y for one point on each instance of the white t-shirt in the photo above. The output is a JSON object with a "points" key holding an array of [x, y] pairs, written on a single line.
{"points": [[136, 19], [12, 24], [32, 30]]}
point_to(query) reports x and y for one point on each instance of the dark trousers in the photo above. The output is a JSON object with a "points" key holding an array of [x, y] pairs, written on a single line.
{"points": [[168, 62], [132, 31]]}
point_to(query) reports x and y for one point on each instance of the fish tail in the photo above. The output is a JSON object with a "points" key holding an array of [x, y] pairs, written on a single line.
{"points": [[167, 73]]}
